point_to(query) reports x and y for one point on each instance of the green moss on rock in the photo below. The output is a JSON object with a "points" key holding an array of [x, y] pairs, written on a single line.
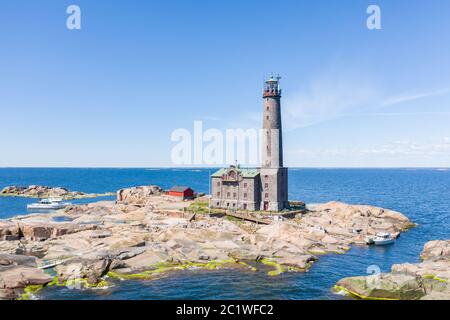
{"points": [[29, 291], [279, 269], [164, 267]]}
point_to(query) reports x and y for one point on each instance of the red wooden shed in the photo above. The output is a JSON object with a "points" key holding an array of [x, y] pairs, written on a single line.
{"points": [[181, 192]]}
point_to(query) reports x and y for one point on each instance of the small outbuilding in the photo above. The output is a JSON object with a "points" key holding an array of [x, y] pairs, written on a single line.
{"points": [[182, 192]]}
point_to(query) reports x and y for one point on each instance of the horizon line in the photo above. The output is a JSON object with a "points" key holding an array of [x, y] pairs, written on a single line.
{"points": [[167, 167]]}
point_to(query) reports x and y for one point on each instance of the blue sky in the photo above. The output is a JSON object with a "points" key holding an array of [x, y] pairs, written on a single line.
{"points": [[111, 93]]}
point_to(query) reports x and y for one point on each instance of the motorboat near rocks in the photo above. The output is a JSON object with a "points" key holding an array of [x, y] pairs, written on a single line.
{"points": [[381, 239], [48, 204]]}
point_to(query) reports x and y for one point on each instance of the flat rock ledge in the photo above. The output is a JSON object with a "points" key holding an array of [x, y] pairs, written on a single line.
{"points": [[146, 234], [20, 277], [48, 192], [426, 280]]}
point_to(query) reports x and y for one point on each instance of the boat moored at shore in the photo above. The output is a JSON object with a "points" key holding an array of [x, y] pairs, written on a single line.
{"points": [[381, 239], [48, 204]]}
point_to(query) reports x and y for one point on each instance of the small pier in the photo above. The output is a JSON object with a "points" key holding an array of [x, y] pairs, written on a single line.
{"points": [[51, 264]]}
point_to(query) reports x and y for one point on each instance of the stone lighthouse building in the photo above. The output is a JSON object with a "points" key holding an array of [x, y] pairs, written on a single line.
{"points": [[264, 188], [274, 176]]}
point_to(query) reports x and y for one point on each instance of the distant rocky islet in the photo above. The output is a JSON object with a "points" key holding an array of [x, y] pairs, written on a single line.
{"points": [[36, 191]]}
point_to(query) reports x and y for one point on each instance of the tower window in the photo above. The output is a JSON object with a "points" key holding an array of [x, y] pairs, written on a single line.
{"points": [[266, 195], [267, 117], [228, 194], [266, 185], [267, 108], [234, 194]]}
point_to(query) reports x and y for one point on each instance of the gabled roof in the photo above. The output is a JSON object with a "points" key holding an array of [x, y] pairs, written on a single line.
{"points": [[179, 188], [245, 173]]}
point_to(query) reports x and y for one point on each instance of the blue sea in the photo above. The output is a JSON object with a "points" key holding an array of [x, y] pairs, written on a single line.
{"points": [[421, 194]]}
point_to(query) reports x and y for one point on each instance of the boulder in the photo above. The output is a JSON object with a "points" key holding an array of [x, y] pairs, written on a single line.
{"points": [[86, 269], [383, 287], [45, 230], [137, 195], [436, 250], [127, 253], [18, 272], [9, 230], [17, 260], [426, 280]]}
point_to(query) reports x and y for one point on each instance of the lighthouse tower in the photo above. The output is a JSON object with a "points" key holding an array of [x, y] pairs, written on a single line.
{"points": [[274, 177]]}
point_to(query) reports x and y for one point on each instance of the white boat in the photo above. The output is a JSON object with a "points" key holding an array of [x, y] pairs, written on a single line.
{"points": [[48, 204], [383, 238]]}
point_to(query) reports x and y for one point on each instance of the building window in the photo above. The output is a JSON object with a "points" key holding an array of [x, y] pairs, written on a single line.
{"points": [[228, 204], [245, 185], [245, 206], [218, 203], [267, 108], [234, 204], [266, 176], [228, 194], [218, 184], [267, 117], [245, 195], [266, 185], [218, 194], [266, 195], [234, 194]]}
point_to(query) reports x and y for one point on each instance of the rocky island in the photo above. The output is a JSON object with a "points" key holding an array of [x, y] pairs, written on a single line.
{"points": [[147, 234], [426, 280], [48, 192]]}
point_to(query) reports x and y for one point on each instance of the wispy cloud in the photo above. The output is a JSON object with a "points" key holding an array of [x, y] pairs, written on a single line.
{"points": [[394, 148], [328, 97], [412, 96], [336, 94], [393, 114], [344, 94]]}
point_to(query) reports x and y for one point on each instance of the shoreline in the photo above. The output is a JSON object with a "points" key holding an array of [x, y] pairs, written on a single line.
{"points": [[149, 233], [426, 280]]}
